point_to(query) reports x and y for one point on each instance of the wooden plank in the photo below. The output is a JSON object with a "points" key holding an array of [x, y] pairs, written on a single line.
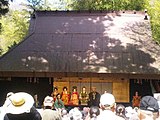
{"points": [[77, 43], [121, 91], [73, 65], [67, 38]]}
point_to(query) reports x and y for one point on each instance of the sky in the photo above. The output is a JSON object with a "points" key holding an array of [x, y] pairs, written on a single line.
{"points": [[17, 4]]}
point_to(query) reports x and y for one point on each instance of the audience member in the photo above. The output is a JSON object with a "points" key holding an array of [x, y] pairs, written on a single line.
{"points": [[75, 114], [94, 112], [158, 99], [149, 108], [6, 103], [21, 107], [120, 111], [48, 113], [85, 112], [107, 105], [65, 115]]}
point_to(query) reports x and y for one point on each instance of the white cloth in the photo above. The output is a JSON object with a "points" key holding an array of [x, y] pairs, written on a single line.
{"points": [[108, 115], [49, 114], [2, 113]]}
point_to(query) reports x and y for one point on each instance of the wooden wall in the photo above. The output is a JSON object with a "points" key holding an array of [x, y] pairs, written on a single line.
{"points": [[119, 88]]}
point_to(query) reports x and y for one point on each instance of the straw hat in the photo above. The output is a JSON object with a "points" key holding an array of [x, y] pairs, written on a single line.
{"points": [[21, 102]]}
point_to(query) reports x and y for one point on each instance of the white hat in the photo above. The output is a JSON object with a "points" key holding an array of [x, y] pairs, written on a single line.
{"points": [[9, 94], [21, 102], [48, 101], [107, 99]]}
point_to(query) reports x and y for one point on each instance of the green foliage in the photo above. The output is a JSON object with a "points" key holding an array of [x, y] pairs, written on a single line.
{"points": [[153, 11], [14, 29], [34, 5], [108, 4]]}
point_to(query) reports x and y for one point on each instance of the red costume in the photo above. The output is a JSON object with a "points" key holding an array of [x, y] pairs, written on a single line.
{"points": [[54, 94], [74, 98], [65, 96], [136, 100]]}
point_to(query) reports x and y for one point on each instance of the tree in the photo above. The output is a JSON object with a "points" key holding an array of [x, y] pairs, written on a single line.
{"points": [[14, 29], [4, 7], [108, 4], [153, 11]]}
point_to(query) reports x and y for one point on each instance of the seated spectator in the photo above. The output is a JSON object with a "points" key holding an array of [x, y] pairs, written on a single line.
{"points": [[158, 99], [94, 112], [131, 114], [107, 105], [6, 103], [149, 108], [75, 114], [21, 107], [85, 112], [65, 115], [48, 113], [120, 111]]}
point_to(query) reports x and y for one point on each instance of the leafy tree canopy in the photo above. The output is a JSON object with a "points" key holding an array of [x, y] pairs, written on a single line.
{"points": [[153, 11], [14, 29], [108, 4]]}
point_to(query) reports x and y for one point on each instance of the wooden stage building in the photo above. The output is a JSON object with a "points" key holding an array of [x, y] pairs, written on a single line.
{"points": [[112, 51]]}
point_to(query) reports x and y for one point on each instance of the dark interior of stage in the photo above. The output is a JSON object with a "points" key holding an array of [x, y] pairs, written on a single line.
{"points": [[44, 86]]}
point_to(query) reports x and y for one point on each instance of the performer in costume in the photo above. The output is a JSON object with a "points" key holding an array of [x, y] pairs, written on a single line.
{"points": [[136, 100], [65, 96], [54, 93], [83, 97], [74, 96], [58, 104], [94, 98], [36, 102]]}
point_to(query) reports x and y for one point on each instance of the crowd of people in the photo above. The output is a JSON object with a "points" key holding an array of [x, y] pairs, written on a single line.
{"points": [[22, 106]]}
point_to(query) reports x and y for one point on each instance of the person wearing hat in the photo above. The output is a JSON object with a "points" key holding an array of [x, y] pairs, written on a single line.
{"points": [[107, 106], [158, 99], [149, 108], [6, 103], [21, 107], [48, 113]]}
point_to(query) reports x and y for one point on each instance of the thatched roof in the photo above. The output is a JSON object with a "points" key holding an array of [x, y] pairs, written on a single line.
{"points": [[98, 42]]}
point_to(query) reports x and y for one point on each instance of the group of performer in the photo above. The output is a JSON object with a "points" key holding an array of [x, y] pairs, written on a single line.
{"points": [[83, 98], [75, 98]]}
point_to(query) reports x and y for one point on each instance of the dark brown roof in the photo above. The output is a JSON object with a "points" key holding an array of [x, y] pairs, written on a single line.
{"points": [[98, 42]]}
